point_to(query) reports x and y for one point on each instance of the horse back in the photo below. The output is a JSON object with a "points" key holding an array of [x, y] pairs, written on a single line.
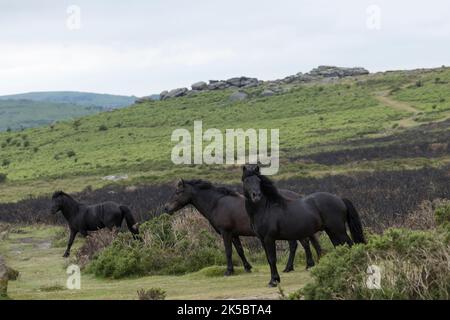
{"points": [[105, 214]]}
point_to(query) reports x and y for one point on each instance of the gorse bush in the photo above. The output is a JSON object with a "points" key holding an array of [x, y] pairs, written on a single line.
{"points": [[412, 264], [169, 245]]}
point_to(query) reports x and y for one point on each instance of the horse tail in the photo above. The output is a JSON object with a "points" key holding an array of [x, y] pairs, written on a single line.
{"points": [[133, 226], [354, 223]]}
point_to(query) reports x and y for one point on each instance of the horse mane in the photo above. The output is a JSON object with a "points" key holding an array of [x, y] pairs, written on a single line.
{"points": [[206, 185], [268, 188], [62, 193]]}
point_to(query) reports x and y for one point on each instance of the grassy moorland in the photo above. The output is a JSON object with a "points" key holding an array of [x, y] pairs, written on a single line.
{"points": [[32, 250], [312, 118]]}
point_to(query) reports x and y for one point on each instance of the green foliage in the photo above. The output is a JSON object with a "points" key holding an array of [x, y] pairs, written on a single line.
{"points": [[151, 294], [414, 265], [3, 177], [71, 153], [165, 249], [442, 214], [102, 128]]}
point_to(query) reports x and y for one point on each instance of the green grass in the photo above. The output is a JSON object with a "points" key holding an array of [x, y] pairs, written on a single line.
{"points": [[42, 275], [136, 142]]}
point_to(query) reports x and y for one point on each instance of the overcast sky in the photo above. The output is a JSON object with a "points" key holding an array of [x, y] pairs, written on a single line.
{"points": [[144, 47]]}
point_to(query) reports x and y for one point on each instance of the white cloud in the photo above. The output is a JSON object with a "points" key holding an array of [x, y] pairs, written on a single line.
{"points": [[143, 47]]}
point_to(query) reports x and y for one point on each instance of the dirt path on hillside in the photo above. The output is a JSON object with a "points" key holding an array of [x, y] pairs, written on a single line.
{"points": [[410, 121], [383, 97]]}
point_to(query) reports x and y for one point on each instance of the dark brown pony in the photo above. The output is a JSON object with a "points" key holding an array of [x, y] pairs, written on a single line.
{"points": [[225, 211], [83, 218], [275, 217]]}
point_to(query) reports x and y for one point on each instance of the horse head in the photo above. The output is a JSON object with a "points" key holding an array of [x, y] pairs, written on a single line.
{"points": [[180, 198], [57, 202], [251, 184]]}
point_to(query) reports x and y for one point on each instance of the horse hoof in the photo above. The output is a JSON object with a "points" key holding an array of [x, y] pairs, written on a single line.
{"points": [[310, 265], [248, 268], [66, 255], [228, 273], [273, 284], [288, 269]]}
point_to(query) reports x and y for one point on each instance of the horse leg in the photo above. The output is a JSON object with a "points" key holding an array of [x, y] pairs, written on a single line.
{"points": [[339, 237], [316, 245], [238, 245], [292, 248], [308, 253], [227, 238], [271, 252], [73, 233], [344, 238]]}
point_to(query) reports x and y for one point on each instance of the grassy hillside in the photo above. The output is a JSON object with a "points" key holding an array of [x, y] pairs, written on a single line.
{"points": [[318, 123], [86, 99], [18, 114]]}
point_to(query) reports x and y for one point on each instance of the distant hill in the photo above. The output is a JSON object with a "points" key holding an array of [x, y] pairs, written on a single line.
{"points": [[86, 99], [17, 114]]}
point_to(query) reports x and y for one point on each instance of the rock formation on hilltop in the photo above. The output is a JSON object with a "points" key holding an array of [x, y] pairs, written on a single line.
{"points": [[321, 73]]}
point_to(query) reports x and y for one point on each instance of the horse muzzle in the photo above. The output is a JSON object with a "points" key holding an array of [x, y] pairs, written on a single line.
{"points": [[256, 197]]}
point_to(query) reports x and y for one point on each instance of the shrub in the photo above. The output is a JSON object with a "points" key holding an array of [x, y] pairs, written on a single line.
{"points": [[6, 162], [71, 153], [413, 264], [3, 177], [26, 143], [152, 294], [93, 245], [442, 214], [102, 128], [76, 124], [170, 245]]}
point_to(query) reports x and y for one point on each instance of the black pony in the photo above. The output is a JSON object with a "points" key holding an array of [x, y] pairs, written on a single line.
{"points": [[83, 218], [225, 211], [275, 217]]}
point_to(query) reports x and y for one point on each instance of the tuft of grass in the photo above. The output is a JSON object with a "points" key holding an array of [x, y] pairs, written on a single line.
{"points": [[52, 287], [151, 294]]}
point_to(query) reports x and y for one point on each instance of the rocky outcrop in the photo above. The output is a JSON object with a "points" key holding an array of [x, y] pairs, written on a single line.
{"points": [[201, 85], [238, 96], [332, 71], [242, 82], [321, 74], [217, 85], [173, 93], [267, 93]]}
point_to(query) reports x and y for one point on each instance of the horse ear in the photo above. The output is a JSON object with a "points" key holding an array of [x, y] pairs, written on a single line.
{"points": [[244, 168], [257, 170]]}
